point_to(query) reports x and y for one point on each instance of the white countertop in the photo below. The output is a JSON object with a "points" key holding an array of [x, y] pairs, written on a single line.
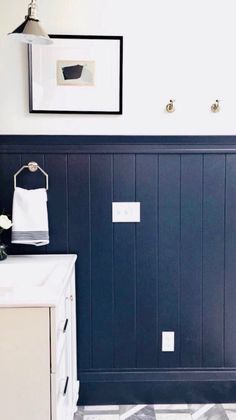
{"points": [[34, 280]]}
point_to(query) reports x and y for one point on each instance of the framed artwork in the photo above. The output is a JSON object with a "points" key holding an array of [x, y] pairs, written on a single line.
{"points": [[77, 75]]}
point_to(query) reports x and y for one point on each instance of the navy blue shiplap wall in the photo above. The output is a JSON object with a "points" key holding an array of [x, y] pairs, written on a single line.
{"points": [[175, 271]]}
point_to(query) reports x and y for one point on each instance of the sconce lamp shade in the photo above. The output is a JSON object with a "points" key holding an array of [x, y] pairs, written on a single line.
{"points": [[30, 31]]}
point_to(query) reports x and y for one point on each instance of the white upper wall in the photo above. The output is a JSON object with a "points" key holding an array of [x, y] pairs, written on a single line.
{"points": [[181, 49]]}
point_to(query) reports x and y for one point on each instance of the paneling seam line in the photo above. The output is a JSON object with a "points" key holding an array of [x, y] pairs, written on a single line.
{"points": [[113, 280], [67, 206], [90, 265], [202, 312], [180, 255], [157, 258], [135, 265], [224, 306]]}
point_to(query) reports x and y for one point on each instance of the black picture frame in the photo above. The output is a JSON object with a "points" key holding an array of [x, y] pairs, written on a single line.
{"points": [[119, 110]]}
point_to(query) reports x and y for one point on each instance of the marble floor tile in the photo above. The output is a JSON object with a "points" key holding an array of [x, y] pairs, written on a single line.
{"points": [[199, 410], [101, 408], [163, 407], [231, 415], [126, 411], [214, 413], [99, 416], [158, 412], [171, 407], [146, 413], [78, 416], [125, 408], [229, 406], [173, 416]]}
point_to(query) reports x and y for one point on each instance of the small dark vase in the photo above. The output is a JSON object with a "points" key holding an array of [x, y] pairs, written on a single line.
{"points": [[3, 252]]}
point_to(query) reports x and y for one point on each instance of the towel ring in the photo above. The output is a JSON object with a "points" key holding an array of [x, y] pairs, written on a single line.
{"points": [[33, 167]]}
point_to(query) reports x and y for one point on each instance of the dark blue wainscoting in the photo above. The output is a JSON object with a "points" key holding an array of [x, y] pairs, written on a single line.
{"points": [[176, 270]]}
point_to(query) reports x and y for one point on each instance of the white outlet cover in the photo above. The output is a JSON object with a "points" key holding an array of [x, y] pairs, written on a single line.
{"points": [[168, 341], [126, 212]]}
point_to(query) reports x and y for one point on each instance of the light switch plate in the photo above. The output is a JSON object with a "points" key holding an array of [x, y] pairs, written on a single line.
{"points": [[126, 212], [168, 341]]}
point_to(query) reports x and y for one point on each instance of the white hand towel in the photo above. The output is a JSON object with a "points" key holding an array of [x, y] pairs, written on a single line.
{"points": [[30, 217]]}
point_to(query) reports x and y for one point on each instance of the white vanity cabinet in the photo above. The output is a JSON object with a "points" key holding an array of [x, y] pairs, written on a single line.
{"points": [[64, 383], [38, 367]]}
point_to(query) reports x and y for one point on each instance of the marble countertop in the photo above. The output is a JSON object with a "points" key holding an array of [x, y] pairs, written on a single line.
{"points": [[34, 280]]}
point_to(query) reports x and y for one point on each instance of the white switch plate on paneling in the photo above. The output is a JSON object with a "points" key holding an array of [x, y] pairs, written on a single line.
{"points": [[168, 341], [126, 212]]}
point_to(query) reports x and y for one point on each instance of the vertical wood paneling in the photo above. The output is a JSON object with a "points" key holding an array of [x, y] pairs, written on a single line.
{"points": [[101, 260], [9, 164], [136, 280], [124, 267], [230, 263], [169, 254], [146, 193], [79, 232], [191, 260], [56, 167], [213, 260]]}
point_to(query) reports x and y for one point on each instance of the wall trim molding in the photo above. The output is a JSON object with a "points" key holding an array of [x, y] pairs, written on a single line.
{"points": [[58, 144], [176, 386], [159, 374]]}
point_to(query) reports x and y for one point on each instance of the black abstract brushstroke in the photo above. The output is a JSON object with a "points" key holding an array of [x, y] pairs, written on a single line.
{"points": [[72, 72]]}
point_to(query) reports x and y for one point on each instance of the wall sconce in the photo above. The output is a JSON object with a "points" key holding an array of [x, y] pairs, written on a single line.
{"points": [[30, 31], [216, 106], [170, 106]]}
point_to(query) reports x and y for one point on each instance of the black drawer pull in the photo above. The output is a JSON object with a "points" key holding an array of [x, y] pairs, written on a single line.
{"points": [[66, 385], [65, 326]]}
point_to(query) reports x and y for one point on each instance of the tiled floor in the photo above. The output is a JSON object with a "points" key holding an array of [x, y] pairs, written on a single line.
{"points": [[158, 412]]}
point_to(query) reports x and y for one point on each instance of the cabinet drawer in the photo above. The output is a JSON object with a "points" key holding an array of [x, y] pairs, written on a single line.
{"points": [[24, 364]]}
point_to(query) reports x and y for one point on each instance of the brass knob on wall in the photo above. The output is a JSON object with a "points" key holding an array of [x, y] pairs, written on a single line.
{"points": [[170, 106], [216, 106]]}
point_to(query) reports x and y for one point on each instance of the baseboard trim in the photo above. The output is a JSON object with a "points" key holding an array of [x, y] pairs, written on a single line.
{"points": [[162, 387]]}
